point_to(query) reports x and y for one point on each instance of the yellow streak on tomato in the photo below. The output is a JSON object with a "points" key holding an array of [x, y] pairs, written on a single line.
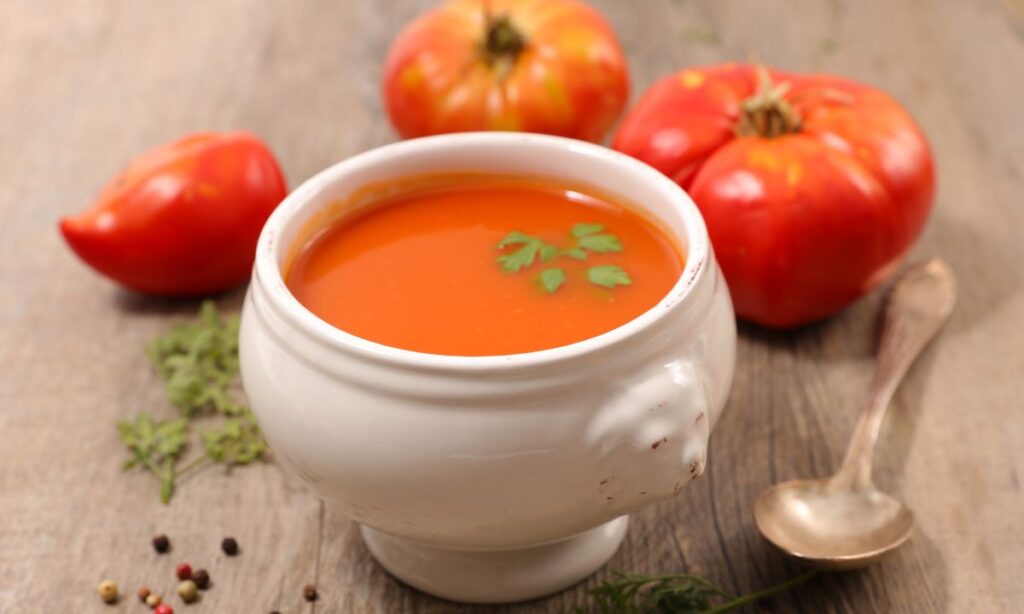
{"points": [[412, 77], [793, 173], [762, 158], [691, 79], [208, 190], [558, 96], [504, 121]]}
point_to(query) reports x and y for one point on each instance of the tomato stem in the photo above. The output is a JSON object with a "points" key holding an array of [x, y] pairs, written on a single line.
{"points": [[767, 113], [503, 42]]}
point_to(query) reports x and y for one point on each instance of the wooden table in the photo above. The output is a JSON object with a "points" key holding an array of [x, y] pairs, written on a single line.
{"points": [[85, 85]]}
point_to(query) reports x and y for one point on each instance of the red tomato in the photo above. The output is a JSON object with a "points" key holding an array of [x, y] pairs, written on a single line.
{"points": [[813, 187], [552, 66], [182, 219]]}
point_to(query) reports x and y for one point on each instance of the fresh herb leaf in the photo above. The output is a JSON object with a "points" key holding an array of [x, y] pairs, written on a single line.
{"points": [[551, 279], [601, 244], [676, 594], [515, 238], [582, 230], [589, 238], [521, 258], [155, 446], [237, 442], [198, 362], [608, 276]]}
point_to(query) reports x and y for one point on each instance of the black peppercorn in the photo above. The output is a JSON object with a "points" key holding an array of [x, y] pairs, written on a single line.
{"points": [[309, 592], [229, 546], [202, 578], [161, 544]]}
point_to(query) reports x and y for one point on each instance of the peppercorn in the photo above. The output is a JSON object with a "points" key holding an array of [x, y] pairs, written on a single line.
{"points": [[153, 600], [161, 544], [108, 591], [163, 608], [183, 571], [309, 592], [201, 578], [229, 546], [187, 591], [143, 593]]}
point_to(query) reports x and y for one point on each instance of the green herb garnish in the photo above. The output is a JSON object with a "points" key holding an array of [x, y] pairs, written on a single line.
{"points": [[198, 362], [675, 594], [237, 442], [608, 276], [582, 230], [156, 447], [551, 279], [527, 252], [589, 238]]}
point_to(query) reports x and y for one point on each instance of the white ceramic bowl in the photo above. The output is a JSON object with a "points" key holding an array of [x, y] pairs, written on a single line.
{"points": [[498, 478]]}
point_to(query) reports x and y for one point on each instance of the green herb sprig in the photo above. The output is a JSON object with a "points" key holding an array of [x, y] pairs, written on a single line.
{"points": [[675, 594], [588, 238], [198, 362]]}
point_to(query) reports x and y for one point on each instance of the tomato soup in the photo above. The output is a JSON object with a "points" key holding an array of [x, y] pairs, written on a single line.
{"points": [[485, 265]]}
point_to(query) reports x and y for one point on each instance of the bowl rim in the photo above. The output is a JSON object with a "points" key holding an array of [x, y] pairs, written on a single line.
{"points": [[267, 273]]}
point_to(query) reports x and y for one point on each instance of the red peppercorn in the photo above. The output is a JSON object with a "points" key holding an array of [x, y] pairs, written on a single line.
{"points": [[163, 608], [183, 571]]}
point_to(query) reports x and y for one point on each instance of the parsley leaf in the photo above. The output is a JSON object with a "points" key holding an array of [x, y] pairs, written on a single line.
{"points": [[581, 230], [576, 253], [523, 257], [155, 446], [237, 442], [589, 238], [608, 276], [198, 362], [548, 252], [515, 238], [551, 279], [601, 244]]}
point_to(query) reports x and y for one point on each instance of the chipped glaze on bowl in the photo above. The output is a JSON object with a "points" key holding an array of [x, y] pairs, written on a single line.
{"points": [[496, 478]]}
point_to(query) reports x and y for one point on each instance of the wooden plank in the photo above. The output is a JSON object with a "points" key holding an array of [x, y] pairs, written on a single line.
{"points": [[86, 85]]}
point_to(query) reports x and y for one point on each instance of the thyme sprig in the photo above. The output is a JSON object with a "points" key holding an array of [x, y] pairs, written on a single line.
{"points": [[673, 594]]}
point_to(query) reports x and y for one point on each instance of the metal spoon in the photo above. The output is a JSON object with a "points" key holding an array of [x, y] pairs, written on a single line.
{"points": [[844, 522]]}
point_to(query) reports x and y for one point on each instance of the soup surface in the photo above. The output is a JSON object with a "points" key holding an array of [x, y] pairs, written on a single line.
{"points": [[485, 266]]}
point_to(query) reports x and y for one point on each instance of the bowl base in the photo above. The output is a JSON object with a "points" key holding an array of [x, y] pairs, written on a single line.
{"points": [[497, 576]]}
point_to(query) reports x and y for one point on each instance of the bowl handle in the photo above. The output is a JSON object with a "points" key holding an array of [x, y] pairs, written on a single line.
{"points": [[651, 435]]}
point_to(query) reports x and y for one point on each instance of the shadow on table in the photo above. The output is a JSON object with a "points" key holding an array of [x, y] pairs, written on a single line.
{"points": [[141, 304]]}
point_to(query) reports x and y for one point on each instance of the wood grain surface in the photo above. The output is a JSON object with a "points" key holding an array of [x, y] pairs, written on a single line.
{"points": [[85, 85]]}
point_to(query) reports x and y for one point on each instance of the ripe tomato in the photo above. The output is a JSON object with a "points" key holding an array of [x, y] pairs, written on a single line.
{"points": [[813, 187], [552, 66], [183, 219]]}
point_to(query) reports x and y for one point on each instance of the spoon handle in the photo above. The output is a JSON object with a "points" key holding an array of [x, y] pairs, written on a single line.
{"points": [[918, 305]]}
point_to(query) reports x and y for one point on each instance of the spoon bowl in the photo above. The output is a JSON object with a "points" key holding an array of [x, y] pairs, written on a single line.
{"points": [[840, 530]]}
